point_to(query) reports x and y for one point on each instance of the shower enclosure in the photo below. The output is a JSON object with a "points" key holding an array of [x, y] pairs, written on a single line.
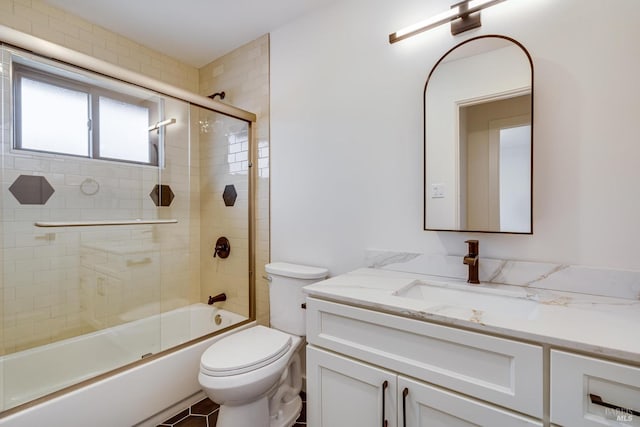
{"points": [[112, 199]]}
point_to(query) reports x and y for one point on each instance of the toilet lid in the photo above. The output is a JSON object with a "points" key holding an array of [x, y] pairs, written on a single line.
{"points": [[296, 271], [244, 351]]}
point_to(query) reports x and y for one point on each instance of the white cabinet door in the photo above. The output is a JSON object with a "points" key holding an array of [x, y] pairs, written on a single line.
{"points": [[342, 392], [428, 406], [591, 392]]}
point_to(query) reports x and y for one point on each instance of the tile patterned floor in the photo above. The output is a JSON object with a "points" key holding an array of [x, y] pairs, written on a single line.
{"points": [[205, 414], [302, 419]]}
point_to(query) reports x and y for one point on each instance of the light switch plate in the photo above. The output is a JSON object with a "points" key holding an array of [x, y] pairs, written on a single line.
{"points": [[437, 191]]}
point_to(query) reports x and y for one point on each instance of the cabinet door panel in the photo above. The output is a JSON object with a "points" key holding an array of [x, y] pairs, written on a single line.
{"points": [[345, 393], [429, 406], [575, 378]]}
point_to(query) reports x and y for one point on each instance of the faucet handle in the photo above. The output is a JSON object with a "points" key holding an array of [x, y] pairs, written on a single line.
{"points": [[222, 248], [474, 246]]}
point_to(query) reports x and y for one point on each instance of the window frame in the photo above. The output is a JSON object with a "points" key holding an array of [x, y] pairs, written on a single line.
{"points": [[94, 92]]}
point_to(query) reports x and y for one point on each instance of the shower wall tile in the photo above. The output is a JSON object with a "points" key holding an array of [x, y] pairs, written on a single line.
{"points": [[55, 25]]}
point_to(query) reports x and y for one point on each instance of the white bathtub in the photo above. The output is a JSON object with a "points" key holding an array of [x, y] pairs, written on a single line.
{"points": [[32, 373]]}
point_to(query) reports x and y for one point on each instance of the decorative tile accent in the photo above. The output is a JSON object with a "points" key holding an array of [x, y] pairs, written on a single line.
{"points": [[229, 195], [162, 195], [31, 190]]}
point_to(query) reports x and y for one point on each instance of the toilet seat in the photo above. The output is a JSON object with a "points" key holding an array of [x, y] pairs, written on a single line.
{"points": [[244, 351]]}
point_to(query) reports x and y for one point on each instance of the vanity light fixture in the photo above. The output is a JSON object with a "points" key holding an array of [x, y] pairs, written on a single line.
{"points": [[463, 16]]}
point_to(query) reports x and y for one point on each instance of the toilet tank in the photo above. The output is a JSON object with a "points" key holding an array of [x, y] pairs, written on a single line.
{"points": [[286, 296]]}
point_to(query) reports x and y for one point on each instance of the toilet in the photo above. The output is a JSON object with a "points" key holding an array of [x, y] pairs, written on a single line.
{"points": [[255, 374]]}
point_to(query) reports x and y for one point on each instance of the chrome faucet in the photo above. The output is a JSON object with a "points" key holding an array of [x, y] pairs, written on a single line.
{"points": [[471, 259]]}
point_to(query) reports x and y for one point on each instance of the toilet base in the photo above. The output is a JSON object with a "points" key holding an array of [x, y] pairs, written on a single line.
{"points": [[288, 413], [254, 414]]}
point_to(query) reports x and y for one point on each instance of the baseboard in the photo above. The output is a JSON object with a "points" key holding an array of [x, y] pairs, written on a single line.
{"points": [[169, 412]]}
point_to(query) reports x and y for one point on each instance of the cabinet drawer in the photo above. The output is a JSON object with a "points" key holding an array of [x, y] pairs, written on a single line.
{"points": [[575, 378], [497, 370]]}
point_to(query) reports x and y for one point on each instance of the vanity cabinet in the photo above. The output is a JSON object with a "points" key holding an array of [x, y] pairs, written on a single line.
{"points": [[591, 392], [360, 361]]}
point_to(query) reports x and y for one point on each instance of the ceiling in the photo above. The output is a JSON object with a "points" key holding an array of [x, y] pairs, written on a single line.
{"points": [[192, 31]]}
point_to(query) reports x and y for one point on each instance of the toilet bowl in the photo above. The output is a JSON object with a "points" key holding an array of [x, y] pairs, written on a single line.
{"points": [[255, 375]]}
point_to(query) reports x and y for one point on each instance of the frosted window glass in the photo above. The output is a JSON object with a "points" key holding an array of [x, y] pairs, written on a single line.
{"points": [[124, 131], [54, 118]]}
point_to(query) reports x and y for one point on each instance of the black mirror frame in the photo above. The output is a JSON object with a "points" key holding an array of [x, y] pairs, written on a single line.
{"points": [[424, 146]]}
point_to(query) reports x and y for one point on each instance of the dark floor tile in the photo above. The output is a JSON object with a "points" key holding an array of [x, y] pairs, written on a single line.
{"points": [[213, 419], [193, 421], [177, 417], [204, 407], [205, 414], [303, 414]]}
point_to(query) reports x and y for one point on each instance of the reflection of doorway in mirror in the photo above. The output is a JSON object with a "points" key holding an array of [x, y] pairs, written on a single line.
{"points": [[495, 164], [514, 175]]}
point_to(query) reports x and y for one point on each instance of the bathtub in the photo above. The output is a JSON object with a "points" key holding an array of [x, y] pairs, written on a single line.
{"points": [[147, 388]]}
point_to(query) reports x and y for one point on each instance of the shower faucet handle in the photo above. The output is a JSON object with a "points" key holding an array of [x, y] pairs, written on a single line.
{"points": [[222, 248]]}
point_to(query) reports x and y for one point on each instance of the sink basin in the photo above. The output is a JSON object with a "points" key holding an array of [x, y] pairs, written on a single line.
{"points": [[448, 298]]}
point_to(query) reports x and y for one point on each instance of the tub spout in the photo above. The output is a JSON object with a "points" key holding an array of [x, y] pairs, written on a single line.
{"points": [[217, 298]]}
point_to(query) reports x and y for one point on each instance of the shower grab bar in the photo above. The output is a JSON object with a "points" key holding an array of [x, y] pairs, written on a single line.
{"points": [[103, 222]]}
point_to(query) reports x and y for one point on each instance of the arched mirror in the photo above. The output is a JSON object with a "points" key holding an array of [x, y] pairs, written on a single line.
{"points": [[478, 138]]}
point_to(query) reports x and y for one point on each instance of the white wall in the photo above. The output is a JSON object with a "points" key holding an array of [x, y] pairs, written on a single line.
{"points": [[346, 131]]}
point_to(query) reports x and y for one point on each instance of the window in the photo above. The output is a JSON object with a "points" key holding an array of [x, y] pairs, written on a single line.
{"points": [[124, 131], [57, 114]]}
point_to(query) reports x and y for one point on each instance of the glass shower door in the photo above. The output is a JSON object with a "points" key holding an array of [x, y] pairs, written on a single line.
{"points": [[107, 256], [81, 263]]}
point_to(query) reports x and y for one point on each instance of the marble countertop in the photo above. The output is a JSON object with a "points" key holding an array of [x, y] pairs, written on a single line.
{"points": [[595, 324]]}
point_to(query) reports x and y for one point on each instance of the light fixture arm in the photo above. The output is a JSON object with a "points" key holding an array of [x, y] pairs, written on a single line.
{"points": [[460, 11], [467, 21]]}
